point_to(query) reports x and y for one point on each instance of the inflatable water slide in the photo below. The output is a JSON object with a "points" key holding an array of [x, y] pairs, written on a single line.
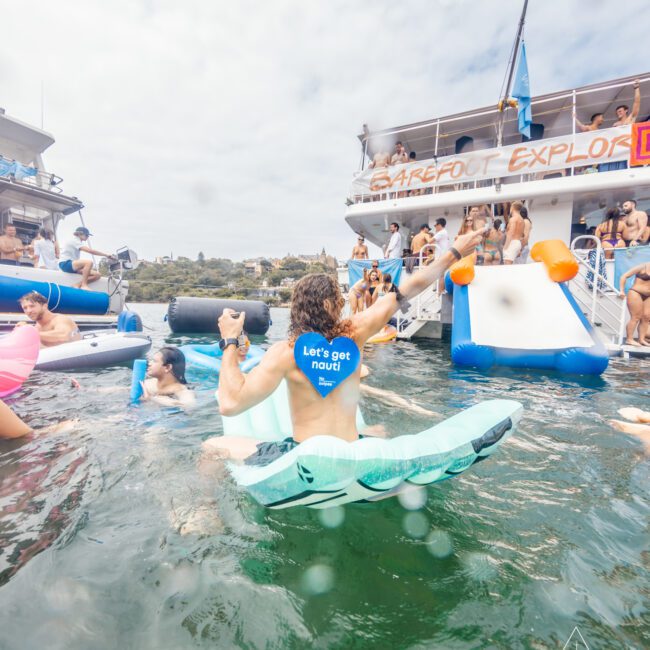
{"points": [[523, 315]]}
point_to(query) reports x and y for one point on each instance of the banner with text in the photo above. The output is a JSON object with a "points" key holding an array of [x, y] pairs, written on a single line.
{"points": [[537, 156]]}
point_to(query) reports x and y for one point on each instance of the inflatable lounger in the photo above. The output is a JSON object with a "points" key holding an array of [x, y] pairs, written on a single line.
{"points": [[523, 315], [385, 335], [208, 357], [325, 471], [18, 353], [96, 349]]}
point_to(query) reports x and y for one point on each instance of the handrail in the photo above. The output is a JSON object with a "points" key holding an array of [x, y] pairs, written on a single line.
{"points": [[599, 280]]}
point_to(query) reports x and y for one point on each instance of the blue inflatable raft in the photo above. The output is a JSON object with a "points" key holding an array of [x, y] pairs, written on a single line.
{"points": [[207, 358], [325, 471]]}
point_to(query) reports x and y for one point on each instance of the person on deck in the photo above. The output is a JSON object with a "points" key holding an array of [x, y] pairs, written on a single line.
{"points": [[54, 329], [420, 240], [316, 306], [610, 232], [70, 262], [623, 112], [595, 123], [46, 251], [514, 234], [638, 303], [394, 248], [360, 251], [492, 250], [635, 223], [400, 156], [528, 226], [11, 248]]}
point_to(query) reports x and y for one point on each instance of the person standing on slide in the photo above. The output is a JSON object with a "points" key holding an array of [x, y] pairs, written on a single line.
{"points": [[316, 306]]}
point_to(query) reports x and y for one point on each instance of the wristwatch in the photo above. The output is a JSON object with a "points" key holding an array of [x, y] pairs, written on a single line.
{"points": [[224, 343]]}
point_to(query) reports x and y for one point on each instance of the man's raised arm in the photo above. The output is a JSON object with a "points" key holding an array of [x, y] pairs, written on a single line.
{"points": [[238, 392], [369, 322]]}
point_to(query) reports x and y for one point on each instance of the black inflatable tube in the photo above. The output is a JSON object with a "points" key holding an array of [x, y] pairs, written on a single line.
{"points": [[199, 315]]}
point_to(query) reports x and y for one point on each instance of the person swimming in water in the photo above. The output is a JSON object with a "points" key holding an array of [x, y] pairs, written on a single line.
{"points": [[165, 383], [316, 306]]}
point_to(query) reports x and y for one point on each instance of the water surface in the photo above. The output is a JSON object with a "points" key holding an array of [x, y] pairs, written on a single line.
{"points": [[112, 537]]}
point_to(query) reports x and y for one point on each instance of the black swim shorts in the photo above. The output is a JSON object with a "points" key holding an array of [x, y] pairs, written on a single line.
{"points": [[267, 452]]}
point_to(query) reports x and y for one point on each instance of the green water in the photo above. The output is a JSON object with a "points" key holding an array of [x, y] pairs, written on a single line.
{"points": [[549, 534]]}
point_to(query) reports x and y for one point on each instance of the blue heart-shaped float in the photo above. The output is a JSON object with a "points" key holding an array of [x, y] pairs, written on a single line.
{"points": [[326, 364]]}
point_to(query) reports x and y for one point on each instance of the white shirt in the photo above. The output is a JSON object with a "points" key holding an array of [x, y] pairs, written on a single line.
{"points": [[441, 239], [394, 250], [44, 248], [70, 250]]}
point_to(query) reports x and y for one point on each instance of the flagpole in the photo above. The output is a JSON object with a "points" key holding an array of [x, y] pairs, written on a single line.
{"points": [[503, 104]]}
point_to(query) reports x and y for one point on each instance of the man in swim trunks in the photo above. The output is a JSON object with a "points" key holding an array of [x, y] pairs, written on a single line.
{"points": [[514, 234], [420, 240], [360, 251], [70, 254], [623, 112], [53, 329], [316, 306], [11, 248], [635, 223]]}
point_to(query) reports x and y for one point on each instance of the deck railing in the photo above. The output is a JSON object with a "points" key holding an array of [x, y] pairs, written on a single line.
{"points": [[42, 180]]}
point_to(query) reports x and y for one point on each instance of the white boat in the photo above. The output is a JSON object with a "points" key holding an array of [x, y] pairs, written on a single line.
{"points": [[32, 198], [568, 179], [96, 349]]}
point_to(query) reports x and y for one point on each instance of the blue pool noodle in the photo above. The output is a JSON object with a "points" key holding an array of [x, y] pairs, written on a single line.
{"points": [[139, 373]]}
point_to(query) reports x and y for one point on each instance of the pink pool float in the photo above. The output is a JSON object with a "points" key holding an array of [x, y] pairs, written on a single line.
{"points": [[18, 354]]}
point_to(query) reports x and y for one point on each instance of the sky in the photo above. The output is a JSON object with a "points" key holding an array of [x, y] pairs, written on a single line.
{"points": [[231, 128]]}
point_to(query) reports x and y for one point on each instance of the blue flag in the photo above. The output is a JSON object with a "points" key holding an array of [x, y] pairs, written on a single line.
{"points": [[521, 92]]}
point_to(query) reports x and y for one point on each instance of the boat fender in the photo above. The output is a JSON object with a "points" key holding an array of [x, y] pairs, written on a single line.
{"points": [[200, 315], [129, 321], [137, 377]]}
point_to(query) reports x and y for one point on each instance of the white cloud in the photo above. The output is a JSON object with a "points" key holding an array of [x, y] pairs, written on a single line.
{"points": [[230, 127]]}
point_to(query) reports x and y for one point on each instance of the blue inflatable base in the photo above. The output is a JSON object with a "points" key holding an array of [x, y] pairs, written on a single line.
{"points": [[207, 358]]}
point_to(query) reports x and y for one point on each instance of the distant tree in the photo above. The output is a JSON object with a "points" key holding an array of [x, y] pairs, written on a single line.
{"points": [[200, 258]]}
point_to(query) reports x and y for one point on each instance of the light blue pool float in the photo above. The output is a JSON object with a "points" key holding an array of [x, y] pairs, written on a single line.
{"points": [[208, 358], [326, 471]]}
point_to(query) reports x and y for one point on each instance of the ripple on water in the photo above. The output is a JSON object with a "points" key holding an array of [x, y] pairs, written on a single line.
{"points": [[118, 532]]}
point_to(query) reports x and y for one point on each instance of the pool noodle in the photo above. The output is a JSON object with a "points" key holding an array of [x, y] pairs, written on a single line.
{"points": [[139, 373]]}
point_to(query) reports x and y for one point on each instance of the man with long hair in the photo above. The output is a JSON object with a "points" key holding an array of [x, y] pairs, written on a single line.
{"points": [[316, 306]]}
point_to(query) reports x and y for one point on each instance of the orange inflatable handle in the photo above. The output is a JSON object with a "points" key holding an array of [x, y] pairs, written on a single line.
{"points": [[560, 263], [462, 272]]}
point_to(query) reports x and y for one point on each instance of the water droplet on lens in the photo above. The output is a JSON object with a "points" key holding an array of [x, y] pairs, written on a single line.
{"points": [[318, 579], [332, 517], [413, 499], [415, 524], [439, 543], [479, 566]]}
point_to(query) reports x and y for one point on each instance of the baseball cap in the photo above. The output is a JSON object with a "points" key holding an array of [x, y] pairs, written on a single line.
{"points": [[82, 230]]}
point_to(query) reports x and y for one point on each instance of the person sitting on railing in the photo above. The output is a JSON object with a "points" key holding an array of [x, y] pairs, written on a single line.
{"points": [[595, 123], [70, 262], [610, 232], [623, 112], [493, 245], [634, 224], [11, 248], [638, 303]]}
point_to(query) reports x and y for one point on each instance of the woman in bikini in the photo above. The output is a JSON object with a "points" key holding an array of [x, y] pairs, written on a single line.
{"points": [[374, 282], [358, 292], [468, 225], [384, 288], [493, 244], [610, 232], [638, 303]]}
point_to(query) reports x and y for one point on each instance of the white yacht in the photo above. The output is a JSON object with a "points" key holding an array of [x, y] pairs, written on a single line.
{"points": [[31, 197], [567, 178]]}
